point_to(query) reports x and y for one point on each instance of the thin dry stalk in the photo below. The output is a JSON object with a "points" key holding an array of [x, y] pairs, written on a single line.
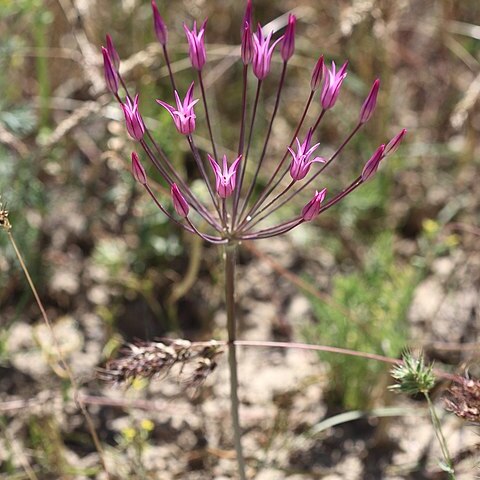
{"points": [[5, 224]]}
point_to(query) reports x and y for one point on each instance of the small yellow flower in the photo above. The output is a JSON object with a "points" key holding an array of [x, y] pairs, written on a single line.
{"points": [[129, 433], [452, 240], [147, 425], [430, 227]]}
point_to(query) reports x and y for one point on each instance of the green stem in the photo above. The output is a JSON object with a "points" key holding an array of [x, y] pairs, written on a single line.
{"points": [[230, 261], [441, 439]]}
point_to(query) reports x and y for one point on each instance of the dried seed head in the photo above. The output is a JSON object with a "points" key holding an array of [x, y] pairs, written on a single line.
{"points": [[156, 359], [464, 400]]}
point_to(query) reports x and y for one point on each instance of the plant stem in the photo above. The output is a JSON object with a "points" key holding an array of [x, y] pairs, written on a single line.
{"points": [[441, 439], [230, 261]]}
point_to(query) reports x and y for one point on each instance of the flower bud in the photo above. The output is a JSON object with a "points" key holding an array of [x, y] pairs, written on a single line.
{"points": [[179, 202], [111, 77], [138, 171], [317, 75], [247, 44], [394, 143], [371, 166], [288, 43], [114, 57], [159, 25], [312, 208], [369, 105]]}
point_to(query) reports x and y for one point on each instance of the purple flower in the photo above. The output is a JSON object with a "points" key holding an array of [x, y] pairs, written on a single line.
{"points": [[371, 166], [331, 87], [288, 44], [247, 44], [394, 143], [225, 178], [183, 116], [114, 57], [262, 53], [317, 75], [111, 77], [159, 25], [301, 162], [312, 208], [196, 45], [138, 171], [369, 105], [179, 202], [133, 119]]}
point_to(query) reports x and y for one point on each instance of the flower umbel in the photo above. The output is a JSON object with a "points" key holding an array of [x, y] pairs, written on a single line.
{"points": [[183, 116], [248, 216]]}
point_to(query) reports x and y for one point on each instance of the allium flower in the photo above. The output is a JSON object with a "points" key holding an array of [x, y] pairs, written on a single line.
{"points": [[179, 202], [196, 45], [138, 171], [288, 43], [183, 116], [133, 119], [370, 102], [111, 77], [331, 87], [262, 53], [248, 216], [301, 162], [225, 178], [312, 208], [159, 25]]}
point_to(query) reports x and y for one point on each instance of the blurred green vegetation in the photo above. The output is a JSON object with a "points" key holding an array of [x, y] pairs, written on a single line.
{"points": [[372, 318]]}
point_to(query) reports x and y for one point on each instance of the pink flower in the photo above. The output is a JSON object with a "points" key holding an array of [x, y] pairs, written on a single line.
{"points": [[317, 75], [371, 166], [312, 208], [331, 87], [288, 44], [225, 178], [183, 116], [369, 105], [138, 171], [262, 53], [133, 119], [394, 143], [111, 77], [159, 25], [179, 202], [301, 162], [196, 45]]}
